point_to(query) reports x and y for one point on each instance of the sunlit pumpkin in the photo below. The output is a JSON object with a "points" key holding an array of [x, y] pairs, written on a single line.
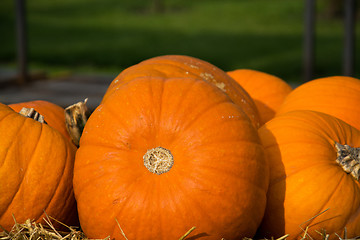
{"points": [[314, 177], [336, 95], [162, 155], [36, 170], [267, 91]]}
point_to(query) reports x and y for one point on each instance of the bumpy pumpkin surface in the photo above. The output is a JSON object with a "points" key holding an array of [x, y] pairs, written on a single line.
{"points": [[314, 171], [55, 116], [160, 156], [186, 66], [36, 171], [337, 95], [267, 91]]}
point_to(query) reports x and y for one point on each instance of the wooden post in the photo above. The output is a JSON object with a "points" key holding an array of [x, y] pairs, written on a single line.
{"points": [[309, 36], [21, 34], [349, 37]]}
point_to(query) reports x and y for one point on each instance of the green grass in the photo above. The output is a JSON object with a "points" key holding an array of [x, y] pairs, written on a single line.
{"points": [[110, 35]]}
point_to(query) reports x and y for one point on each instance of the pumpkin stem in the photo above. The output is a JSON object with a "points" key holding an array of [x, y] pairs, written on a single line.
{"points": [[349, 159], [158, 160], [76, 117], [32, 113]]}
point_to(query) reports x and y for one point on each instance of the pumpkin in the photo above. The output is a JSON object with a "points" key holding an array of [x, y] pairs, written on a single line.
{"points": [[55, 116], [185, 67], [36, 170], [267, 91], [162, 155], [336, 95], [314, 176]]}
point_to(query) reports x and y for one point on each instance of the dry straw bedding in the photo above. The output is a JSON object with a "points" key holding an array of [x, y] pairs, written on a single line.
{"points": [[30, 230]]}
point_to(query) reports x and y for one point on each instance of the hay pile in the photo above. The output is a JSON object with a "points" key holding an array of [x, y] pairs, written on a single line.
{"points": [[29, 230]]}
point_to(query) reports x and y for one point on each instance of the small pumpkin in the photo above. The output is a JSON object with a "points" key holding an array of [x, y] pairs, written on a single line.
{"points": [[336, 95], [267, 91], [314, 176], [36, 169], [188, 67], [162, 155]]}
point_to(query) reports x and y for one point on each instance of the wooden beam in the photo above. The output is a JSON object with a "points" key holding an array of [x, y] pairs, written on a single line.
{"points": [[21, 34], [349, 37], [309, 36]]}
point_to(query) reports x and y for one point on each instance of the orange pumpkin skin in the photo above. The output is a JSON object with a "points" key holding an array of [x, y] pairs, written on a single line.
{"points": [[267, 91], [36, 171], [305, 178], [337, 95], [186, 66], [55, 116], [219, 176]]}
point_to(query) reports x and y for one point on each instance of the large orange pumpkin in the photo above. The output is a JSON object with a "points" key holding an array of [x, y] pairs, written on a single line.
{"points": [[162, 155], [267, 91], [55, 116], [337, 95], [186, 66], [36, 171], [314, 176]]}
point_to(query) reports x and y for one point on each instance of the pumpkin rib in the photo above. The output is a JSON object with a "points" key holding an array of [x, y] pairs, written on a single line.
{"points": [[229, 173], [191, 202], [127, 186], [4, 160], [320, 210], [242, 141], [201, 113], [323, 208], [36, 217], [198, 207], [183, 191], [258, 189], [23, 175], [294, 173], [57, 189], [353, 217], [158, 114], [6, 115], [230, 118], [291, 174], [125, 204], [305, 121], [11, 143], [119, 122]]}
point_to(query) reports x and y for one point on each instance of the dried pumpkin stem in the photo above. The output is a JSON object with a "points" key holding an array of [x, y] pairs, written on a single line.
{"points": [[76, 117], [349, 159], [158, 160], [33, 114]]}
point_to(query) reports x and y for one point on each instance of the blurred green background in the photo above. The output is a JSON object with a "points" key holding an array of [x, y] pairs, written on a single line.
{"points": [[106, 36]]}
